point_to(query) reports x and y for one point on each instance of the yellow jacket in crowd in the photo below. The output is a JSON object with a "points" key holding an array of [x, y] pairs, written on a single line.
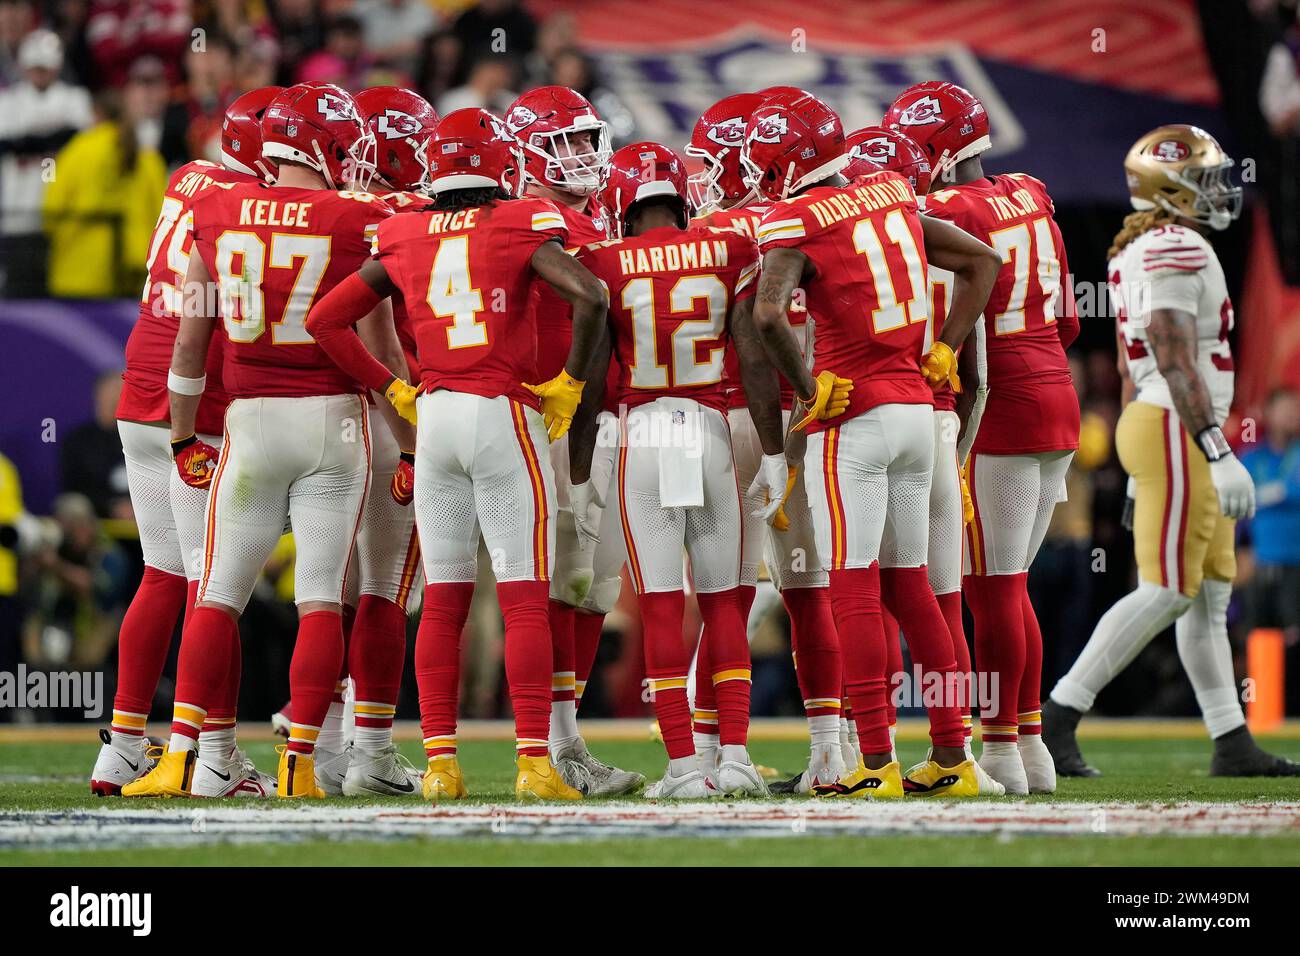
{"points": [[100, 217]]}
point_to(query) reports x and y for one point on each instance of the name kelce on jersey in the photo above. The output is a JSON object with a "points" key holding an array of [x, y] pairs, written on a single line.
{"points": [[272, 212], [703, 254]]}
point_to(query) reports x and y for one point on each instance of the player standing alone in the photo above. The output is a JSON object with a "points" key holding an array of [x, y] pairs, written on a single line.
{"points": [[1174, 316]]}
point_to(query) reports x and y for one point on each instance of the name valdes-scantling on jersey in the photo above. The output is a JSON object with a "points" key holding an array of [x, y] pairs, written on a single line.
{"points": [[1173, 267], [468, 290]]}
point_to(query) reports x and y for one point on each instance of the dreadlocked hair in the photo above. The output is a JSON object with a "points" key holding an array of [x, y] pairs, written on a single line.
{"points": [[1136, 223], [454, 200]]}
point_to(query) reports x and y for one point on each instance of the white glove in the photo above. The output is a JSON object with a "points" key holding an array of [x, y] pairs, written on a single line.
{"points": [[773, 474], [585, 502], [1236, 489]]}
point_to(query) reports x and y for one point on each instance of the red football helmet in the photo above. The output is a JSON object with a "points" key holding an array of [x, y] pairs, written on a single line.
{"points": [[241, 134], [636, 172], [317, 125], [716, 140], [875, 148], [792, 141], [944, 120], [548, 121], [472, 149], [402, 123]]}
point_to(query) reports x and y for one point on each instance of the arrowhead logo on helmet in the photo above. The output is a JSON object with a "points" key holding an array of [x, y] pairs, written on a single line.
{"points": [[333, 107], [520, 117], [728, 132], [770, 129], [923, 112], [394, 124]]}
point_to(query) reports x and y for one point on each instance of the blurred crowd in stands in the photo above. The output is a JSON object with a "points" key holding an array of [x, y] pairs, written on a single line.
{"points": [[99, 99]]}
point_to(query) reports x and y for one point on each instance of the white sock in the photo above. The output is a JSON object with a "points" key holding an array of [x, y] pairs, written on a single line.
{"points": [[824, 729], [735, 752], [999, 748], [564, 724], [704, 743], [1202, 637], [1119, 637], [179, 743], [127, 742], [681, 766], [893, 751], [216, 744], [331, 729], [372, 740]]}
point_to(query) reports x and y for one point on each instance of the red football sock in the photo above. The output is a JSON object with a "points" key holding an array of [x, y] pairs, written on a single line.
{"points": [[226, 704], [563, 669], [893, 658], [729, 664], [995, 603], [666, 665], [816, 649], [908, 594], [203, 666], [437, 662], [587, 626], [1029, 710], [855, 601], [349, 619], [191, 598], [529, 656], [377, 651], [950, 608], [705, 718], [142, 645], [313, 675]]}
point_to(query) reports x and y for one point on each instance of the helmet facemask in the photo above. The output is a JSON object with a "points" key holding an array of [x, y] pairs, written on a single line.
{"points": [[571, 165]]}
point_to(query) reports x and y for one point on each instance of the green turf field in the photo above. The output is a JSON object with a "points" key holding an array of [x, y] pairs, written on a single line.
{"points": [[51, 776]]}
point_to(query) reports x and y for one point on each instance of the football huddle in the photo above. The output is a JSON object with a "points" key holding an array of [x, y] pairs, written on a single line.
{"points": [[832, 358]]}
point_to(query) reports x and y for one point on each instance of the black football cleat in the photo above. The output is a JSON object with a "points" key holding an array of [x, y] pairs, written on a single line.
{"points": [[1059, 724], [787, 787], [1237, 755]]}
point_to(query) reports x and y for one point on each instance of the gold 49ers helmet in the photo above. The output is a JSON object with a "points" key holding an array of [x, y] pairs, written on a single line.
{"points": [[1183, 169]]}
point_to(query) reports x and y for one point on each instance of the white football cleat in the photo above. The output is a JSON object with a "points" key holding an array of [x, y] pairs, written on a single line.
{"points": [[988, 786], [591, 777], [1001, 761], [736, 779], [115, 766], [235, 776], [689, 786], [384, 773], [331, 769], [1040, 769], [708, 761]]}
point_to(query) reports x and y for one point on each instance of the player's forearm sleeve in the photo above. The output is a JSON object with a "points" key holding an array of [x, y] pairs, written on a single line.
{"points": [[331, 323], [1068, 325]]}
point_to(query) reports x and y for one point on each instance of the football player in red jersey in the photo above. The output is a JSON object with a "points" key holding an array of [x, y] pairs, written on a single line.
{"points": [[724, 200], [384, 569], [870, 150], [566, 146], [860, 252], [464, 265], [1029, 427], [297, 431], [169, 513], [675, 295]]}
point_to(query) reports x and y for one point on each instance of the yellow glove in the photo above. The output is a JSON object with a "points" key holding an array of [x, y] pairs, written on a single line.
{"points": [[967, 503], [560, 397], [402, 397], [939, 365], [830, 399], [779, 520]]}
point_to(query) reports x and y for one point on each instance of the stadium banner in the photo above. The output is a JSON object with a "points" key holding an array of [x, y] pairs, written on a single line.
{"points": [[54, 350], [1068, 86]]}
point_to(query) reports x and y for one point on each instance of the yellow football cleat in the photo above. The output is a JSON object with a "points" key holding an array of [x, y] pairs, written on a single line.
{"points": [[884, 783], [171, 777], [296, 778], [928, 779], [444, 781], [539, 780]]}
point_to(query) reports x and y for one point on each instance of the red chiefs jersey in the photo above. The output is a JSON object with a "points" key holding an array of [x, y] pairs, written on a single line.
{"points": [[670, 298], [273, 251], [466, 280], [745, 220], [1032, 405], [552, 314], [869, 297], [406, 202], [149, 349]]}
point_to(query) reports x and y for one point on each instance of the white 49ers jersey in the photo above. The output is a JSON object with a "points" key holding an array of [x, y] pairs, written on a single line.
{"points": [[1173, 267]]}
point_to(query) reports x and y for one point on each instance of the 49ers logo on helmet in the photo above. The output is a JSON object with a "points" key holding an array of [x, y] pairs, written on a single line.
{"points": [[333, 107], [770, 129], [1171, 151], [519, 117], [728, 132], [923, 112], [394, 124]]}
